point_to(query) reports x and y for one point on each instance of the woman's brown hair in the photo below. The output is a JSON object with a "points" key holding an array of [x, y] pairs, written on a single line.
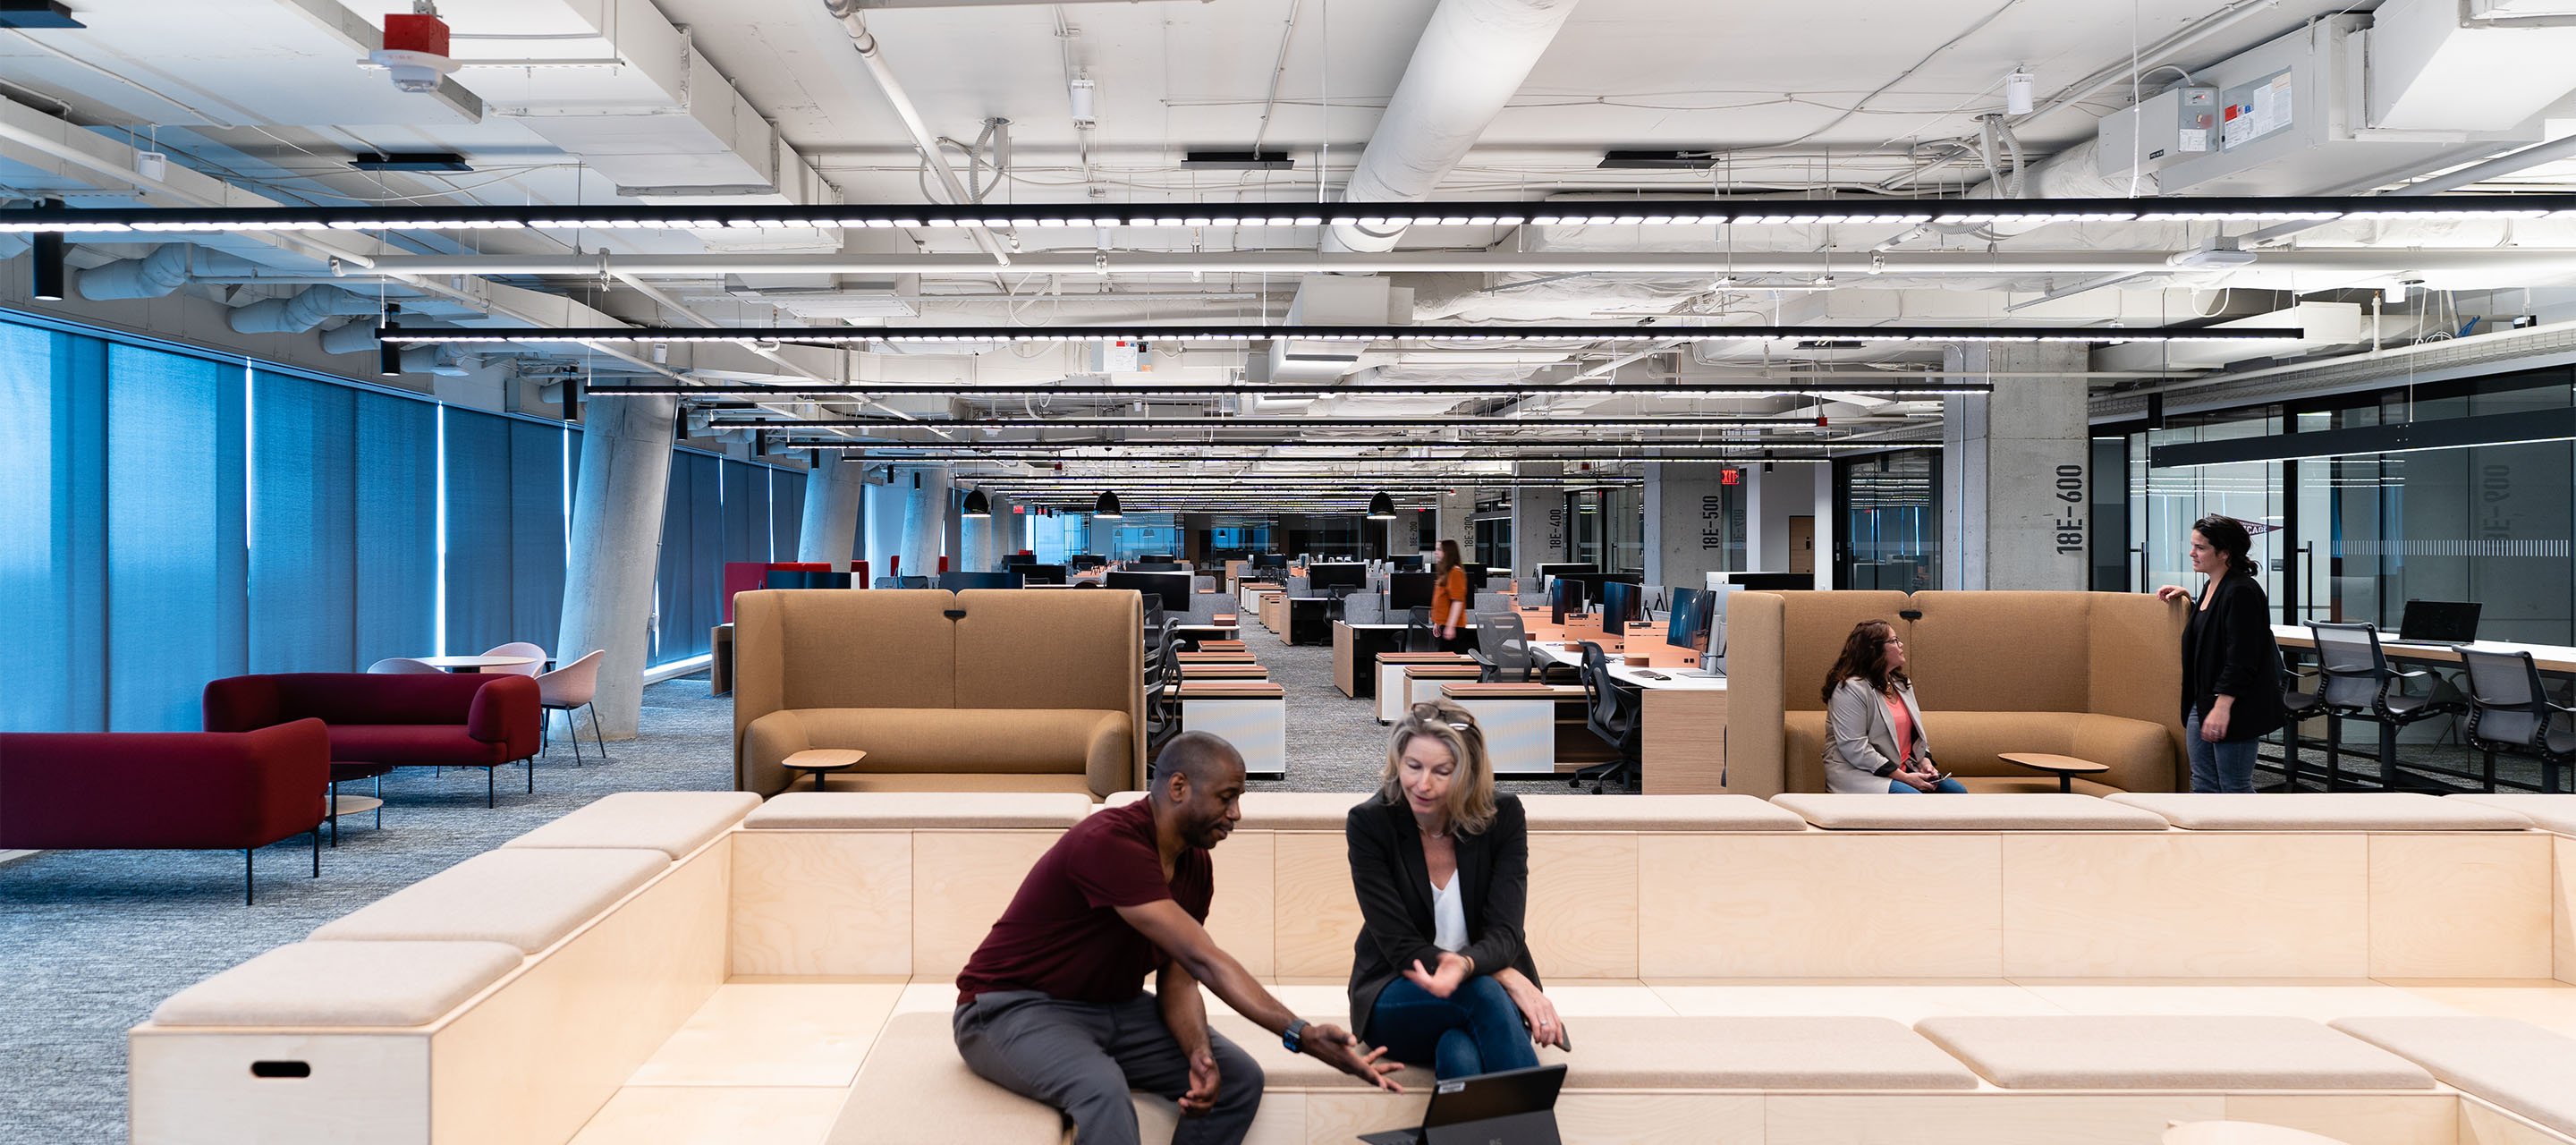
{"points": [[1865, 657], [1448, 558]]}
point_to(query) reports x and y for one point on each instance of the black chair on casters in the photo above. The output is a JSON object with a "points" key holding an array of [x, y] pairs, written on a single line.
{"points": [[2510, 711], [1418, 636], [1502, 648], [1610, 712], [2354, 681], [2301, 705]]}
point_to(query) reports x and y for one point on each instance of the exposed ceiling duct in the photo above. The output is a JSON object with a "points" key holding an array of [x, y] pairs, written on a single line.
{"points": [[1470, 60], [160, 273], [303, 311]]}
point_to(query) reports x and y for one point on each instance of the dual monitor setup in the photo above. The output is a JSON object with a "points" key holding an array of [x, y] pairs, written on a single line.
{"points": [[1694, 618]]}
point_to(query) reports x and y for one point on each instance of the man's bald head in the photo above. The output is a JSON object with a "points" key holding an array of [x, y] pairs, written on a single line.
{"points": [[1206, 760]]}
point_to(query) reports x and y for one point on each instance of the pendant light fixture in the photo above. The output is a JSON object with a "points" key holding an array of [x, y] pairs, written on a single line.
{"points": [[977, 504], [1381, 507], [1107, 509]]}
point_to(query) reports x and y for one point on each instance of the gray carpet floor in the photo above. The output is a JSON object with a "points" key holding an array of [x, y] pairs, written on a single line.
{"points": [[91, 941]]}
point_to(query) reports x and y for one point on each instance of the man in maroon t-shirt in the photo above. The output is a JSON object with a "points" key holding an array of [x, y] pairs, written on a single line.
{"points": [[1052, 1006]]}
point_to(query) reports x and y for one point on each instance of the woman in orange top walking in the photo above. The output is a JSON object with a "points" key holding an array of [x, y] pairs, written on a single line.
{"points": [[1449, 597]]}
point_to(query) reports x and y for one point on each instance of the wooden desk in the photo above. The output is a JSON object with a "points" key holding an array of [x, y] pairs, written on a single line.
{"points": [[1224, 672], [1423, 682], [1355, 647], [1683, 749], [1391, 697], [1204, 657], [1525, 726], [1251, 714]]}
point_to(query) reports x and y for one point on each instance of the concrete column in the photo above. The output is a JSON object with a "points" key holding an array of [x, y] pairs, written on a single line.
{"points": [[1540, 532], [986, 539], [616, 535], [2015, 471], [925, 518], [1694, 527], [885, 524], [830, 530], [1456, 521], [1772, 496]]}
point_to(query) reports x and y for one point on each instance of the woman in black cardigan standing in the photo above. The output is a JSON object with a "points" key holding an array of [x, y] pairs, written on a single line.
{"points": [[1441, 974], [2231, 668]]}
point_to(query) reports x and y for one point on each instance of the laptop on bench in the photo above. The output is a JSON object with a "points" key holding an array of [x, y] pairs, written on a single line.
{"points": [[1507, 1107], [2437, 622]]}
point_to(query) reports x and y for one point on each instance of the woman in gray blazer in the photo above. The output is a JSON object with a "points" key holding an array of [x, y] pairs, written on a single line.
{"points": [[1874, 739]]}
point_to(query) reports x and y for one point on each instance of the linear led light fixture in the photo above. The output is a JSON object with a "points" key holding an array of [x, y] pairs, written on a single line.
{"points": [[968, 335], [871, 390], [1480, 213], [1311, 423], [1646, 450]]}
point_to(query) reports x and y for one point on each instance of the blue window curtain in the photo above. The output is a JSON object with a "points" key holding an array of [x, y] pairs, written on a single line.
{"points": [[691, 571], [303, 525], [479, 577], [746, 512], [53, 541], [396, 491], [786, 513], [537, 553], [177, 553]]}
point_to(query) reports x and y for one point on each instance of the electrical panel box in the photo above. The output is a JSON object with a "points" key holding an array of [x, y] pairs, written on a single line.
{"points": [[1121, 356], [2160, 131]]}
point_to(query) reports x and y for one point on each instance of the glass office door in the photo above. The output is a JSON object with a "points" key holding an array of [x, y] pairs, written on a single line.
{"points": [[1890, 508]]}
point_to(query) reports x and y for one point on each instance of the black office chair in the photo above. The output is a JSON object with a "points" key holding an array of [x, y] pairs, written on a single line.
{"points": [[1162, 682], [2355, 682], [912, 582], [1502, 648], [1609, 712], [1418, 636], [882, 582], [2510, 711], [2301, 704]]}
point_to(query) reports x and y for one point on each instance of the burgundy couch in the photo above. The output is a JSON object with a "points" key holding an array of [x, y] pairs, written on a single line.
{"points": [[165, 791], [468, 720]]}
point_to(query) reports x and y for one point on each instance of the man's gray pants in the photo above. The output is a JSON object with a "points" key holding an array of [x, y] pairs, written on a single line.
{"points": [[1084, 1057]]}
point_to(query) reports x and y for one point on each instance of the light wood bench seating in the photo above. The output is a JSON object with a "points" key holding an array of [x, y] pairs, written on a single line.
{"points": [[915, 1090], [918, 810], [2048, 811], [2162, 1052], [2515, 1065], [2553, 813], [2323, 811], [342, 984], [528, 898], [672, 822]]}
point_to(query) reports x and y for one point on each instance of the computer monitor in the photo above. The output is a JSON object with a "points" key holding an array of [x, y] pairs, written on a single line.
{"points": [[1270, 560], [1156, 559], [1156, 566], [1172, 588], [1039, 574], [1086, 560], [1621, 604], [2439, 622], [1321, 576], [1564, 598], [959, 581], [1407, 560], [1009, 559], [1685, 625], [1409, 590], [1477, 575]]}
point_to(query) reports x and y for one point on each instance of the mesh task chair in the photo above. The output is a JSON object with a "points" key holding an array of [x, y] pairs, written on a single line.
{"points": [[1502, 647], [2354, 681], [912, 582], [1162, 681], [2300, 704], [1610, 713], [2510, 711], [1418, 636]]}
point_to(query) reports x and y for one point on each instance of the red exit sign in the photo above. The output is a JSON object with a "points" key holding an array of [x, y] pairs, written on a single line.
{"points": [[1730, 477]]}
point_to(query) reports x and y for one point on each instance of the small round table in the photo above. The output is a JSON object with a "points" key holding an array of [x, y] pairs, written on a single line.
{"points": [[477, 663], [2067, 767], [822, 760]]}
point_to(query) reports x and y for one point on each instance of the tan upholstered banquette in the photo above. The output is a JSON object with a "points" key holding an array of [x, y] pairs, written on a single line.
{"points": [[2095, 675], [1016, 691]]}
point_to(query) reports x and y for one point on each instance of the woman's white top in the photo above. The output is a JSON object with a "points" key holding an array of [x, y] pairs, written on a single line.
{"points": [[1448, 916]]}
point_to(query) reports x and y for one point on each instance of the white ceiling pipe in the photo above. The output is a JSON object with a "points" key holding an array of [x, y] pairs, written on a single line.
{"points": [[1895, 263], [1469, 62], [160, 273], [302, 312], [924, 140]]}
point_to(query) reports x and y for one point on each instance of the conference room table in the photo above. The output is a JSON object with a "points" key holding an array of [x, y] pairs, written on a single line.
{"points": [[1682, 749]]}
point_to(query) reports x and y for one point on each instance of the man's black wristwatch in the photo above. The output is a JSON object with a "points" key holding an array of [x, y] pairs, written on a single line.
{"points": [[1294, 1037]]}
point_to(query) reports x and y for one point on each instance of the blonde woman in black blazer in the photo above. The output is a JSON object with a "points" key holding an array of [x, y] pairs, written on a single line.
{"points": [[1441, 974]]}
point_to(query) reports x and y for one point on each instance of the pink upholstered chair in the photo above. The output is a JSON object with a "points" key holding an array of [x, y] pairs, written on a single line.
{"points": [[571, 687], [520, 648], [401, 666]]}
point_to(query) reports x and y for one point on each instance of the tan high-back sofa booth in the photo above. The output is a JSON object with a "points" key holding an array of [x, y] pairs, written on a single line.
{"points": [[2094, 675], [1016, 691]]}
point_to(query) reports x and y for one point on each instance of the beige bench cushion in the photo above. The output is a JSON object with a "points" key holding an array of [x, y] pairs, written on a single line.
{"points": [[909, 810], [1685, 1053], [2323, 811], [343, 984], [1280, 810], [2049, 811], [2547, 812], [2516, 1065], [2143, 1052], [672, 822], [528, 898], [915, 1090], [1657, 813]]}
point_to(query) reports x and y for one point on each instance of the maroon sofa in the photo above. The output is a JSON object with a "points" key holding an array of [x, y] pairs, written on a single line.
{"points": [[467, 720], [165, 791]]}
